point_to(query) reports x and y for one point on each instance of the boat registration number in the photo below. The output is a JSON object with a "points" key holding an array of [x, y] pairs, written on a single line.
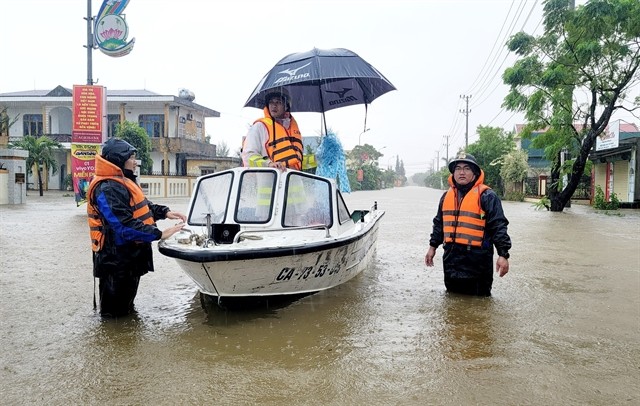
{"points": [[289, 273]]}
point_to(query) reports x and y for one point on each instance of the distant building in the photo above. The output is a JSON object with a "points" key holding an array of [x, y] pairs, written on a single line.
{"points": [[615, 163], [175, 125]]}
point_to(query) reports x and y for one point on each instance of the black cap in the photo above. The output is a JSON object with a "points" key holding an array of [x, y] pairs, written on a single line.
{"points": [[466, 158], [117, 151]]}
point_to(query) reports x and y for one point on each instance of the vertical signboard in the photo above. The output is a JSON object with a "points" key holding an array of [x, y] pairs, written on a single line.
{"points": [[88, 133]]}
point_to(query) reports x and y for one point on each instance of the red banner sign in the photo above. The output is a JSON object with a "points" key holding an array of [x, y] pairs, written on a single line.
{"points": [[89, 113]]}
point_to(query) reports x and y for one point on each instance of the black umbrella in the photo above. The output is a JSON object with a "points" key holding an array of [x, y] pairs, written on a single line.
{"points": [[321, 80]]}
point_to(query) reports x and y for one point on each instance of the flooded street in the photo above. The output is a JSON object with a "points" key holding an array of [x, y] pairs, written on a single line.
{"points": [[562, 328]]}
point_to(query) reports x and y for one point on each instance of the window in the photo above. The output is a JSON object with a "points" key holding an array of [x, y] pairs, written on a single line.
{"points": [[255, 197], [112, 122], [32, 124], [211, 199], [308, 201], [153, 124]]}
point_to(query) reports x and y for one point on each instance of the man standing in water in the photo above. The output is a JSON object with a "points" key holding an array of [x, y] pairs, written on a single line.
{"points": [[122, 225], [469, 223]]}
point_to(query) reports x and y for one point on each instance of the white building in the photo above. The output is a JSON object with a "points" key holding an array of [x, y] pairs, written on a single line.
{"points": [[175, 125]]}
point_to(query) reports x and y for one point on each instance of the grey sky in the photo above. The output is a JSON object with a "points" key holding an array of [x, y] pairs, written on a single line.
{"points": [[432, 51]]}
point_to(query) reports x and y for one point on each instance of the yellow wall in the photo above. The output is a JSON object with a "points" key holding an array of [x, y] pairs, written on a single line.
{"points": [[621, 180]]}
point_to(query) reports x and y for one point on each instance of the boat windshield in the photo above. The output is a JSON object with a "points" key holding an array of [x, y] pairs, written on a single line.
{"points": [[211, 198], [307, 201], [255, 197]]}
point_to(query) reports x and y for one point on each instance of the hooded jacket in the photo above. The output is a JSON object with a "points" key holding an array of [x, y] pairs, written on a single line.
{"points": [[122, 223]]}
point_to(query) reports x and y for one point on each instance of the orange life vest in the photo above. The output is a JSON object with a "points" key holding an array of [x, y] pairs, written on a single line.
{"points": [[105, 170], [283, 145], [464, 222]]}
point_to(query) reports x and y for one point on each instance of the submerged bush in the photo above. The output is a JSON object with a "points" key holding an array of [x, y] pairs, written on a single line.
{"points": [[600, 203]]}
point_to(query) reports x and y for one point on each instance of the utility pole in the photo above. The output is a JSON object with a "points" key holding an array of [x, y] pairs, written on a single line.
{"points": [[446, 144], [89, 45], [466, 112]]}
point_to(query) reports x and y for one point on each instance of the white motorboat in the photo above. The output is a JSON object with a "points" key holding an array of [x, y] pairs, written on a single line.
{"points": [[256, 232]]}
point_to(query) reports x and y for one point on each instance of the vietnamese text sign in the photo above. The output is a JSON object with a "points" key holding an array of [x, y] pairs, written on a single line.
{"points": [[88, 105], [83, 168], [610, 137]]}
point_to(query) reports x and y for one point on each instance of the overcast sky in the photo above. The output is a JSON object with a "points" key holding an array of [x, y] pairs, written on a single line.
{"points": [[432, 51]]}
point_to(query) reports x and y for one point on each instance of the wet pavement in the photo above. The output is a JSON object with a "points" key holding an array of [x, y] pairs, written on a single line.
{"points": [[561, 328]]}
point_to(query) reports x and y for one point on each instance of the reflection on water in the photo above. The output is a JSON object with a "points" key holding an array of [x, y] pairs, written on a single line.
{"points": [[560, 328], [468, 331]]}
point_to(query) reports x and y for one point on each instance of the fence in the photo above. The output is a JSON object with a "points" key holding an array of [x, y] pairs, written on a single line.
{"points": [[583, 190], [167, 186]]}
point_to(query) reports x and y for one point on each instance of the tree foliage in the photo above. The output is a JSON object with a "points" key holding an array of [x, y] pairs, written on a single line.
{"points": [[222, 149], [40, 157], [364, 157], [493, 143], [437, 179], [137, 136], [514, 166], [571, 79]]}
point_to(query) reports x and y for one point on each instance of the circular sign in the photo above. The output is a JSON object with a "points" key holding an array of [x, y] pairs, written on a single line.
{"points": [[111, 32]]}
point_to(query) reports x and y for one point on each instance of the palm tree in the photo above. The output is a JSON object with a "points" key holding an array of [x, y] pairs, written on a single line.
{"points": [[40, 154]]}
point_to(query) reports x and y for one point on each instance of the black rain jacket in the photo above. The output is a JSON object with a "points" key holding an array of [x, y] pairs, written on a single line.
{"points": [[134, 256], [462, 261]]}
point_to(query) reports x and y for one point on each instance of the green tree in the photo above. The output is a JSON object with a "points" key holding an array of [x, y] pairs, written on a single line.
{"points": [[400, 172], [437, 179], [419, 178], [41, 151], [137, 136], [513, 171], [593, 50], [493, 144], [222, 149], [364, 157]]}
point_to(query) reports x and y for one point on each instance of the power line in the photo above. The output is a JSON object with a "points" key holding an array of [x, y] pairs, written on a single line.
{"points": [[471, 88]]}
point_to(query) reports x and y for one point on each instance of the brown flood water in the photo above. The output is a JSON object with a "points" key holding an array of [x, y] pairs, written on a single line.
{"points": [[562, 328]]}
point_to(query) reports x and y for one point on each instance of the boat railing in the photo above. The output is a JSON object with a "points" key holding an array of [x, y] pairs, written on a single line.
{"points": [[311, 227]]}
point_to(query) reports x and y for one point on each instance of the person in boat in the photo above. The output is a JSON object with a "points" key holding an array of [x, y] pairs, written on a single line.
{"points": [[275, 140], [469, 223], [122, 225]]}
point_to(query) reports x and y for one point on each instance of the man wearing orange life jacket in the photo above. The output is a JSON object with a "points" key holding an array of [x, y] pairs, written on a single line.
{"points": [[469, 223], [275, 140], [122, 225]]}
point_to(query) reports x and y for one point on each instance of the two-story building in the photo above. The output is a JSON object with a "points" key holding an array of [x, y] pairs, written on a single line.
{"points": [[175, 125]]}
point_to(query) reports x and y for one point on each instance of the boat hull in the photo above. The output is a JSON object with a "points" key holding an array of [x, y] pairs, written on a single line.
{"points": [[256, 232], [281, 271]]}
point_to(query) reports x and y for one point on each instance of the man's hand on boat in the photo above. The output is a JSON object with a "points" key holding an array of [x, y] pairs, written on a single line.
{"points": [[174, 215], [172, 230], [280, 165]]}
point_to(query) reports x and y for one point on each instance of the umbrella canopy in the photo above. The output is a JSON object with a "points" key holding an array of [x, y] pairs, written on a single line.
{"points": [[321, 80]]}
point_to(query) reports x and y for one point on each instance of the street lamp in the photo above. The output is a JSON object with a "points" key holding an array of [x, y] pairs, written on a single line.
{"points": [[361, 134]]}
